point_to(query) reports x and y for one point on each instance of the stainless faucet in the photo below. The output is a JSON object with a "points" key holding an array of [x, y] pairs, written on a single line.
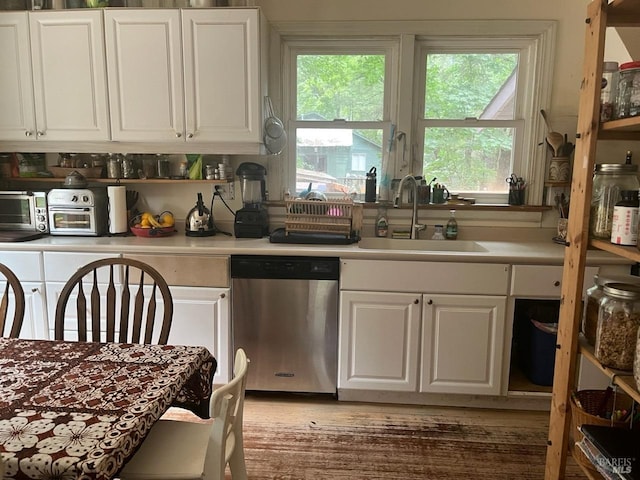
{"points": [[415, 226]]}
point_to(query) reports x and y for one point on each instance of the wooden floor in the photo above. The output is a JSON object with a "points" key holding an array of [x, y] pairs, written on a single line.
{"points": [[310, 437]]}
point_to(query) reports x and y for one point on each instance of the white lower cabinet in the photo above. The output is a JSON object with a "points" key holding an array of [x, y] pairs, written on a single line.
{"points": [[200, 290], [27, 266], [446, 337], [201, 318], [380, 340], [462, 344]]}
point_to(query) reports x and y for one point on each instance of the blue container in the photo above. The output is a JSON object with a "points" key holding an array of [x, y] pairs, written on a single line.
{"points": [[539, 352]]}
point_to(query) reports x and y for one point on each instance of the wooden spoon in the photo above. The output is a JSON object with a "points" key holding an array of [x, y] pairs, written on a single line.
{"points": [[555, 141], [546, 120]]}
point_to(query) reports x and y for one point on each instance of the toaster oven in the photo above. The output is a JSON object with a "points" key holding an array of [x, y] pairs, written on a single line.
{"points": [[78, 211], [23, 211]]}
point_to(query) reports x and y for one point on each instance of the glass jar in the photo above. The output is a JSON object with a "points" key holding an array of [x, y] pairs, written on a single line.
{"points": [[609, 179], [618, 320], [628, 97], [114, 166], [592, 302], [608, 91]]}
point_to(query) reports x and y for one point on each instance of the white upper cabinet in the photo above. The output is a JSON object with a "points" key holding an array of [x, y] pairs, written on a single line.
{"points": [[69, 78], [144, 64], [17, 116], [222, 75], [184, 75]]}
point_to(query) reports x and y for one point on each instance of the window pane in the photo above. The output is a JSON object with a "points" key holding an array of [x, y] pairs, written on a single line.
{"points": [[349, 87], [331, 159], [469, 159], [472, 85]]}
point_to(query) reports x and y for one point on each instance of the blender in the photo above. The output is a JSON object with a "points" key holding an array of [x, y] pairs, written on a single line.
{"points": [[252, 220]]}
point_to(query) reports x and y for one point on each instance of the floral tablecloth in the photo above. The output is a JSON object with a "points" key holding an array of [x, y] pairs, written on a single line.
{"points": [[75, 410]]}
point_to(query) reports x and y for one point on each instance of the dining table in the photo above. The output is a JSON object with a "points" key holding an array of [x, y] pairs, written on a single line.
{"points": [[80, 410]]}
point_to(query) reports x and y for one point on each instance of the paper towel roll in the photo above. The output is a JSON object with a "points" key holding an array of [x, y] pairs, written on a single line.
{"points": [[117, 209]]}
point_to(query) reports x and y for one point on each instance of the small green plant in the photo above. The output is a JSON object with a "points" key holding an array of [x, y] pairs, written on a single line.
{"points": [[97, 3]]}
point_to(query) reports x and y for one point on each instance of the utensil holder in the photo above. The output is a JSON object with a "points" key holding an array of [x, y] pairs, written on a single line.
{"points": [[516, 196]]}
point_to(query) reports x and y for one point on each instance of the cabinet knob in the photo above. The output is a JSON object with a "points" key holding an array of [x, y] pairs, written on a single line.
{"points": [[28, 133], [39, 134], [430, 302], [189, 135], [223, 295], [556, 283], [34, 290], [178, 134]]}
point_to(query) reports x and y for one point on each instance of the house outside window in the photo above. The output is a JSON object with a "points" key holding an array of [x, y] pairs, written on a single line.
{"points": [[470, 118]]}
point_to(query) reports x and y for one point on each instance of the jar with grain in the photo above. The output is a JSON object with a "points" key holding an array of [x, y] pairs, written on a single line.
{"points": [[618, 321], [592, 303]]}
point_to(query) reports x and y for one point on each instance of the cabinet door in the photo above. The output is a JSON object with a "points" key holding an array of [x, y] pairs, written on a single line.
{"points": [[222, 75], [34, 325], [69, 77], [379, 341], [144, 68], [17, 117], [462, 344], [201, 317]]}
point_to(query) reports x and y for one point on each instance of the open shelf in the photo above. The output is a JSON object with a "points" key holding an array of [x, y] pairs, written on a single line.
{"points": [[620, 378], [630, 253], [148, 181]]}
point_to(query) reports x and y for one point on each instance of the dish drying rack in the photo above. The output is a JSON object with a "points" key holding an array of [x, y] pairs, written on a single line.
{"points": [[341, 217]]}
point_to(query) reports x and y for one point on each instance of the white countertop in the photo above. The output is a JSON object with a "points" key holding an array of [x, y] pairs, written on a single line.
{"points": [[538, 252]]}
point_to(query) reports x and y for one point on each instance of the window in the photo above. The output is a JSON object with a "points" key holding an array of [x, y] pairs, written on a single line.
{"points": [[470, 129], [341, 111], [469, 116]]}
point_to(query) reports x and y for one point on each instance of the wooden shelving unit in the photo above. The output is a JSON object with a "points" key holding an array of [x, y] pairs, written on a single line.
{"points": [[600, 15]]}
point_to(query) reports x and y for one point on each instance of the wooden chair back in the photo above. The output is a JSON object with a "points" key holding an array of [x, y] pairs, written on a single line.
{"points": [[225, 440], [134, 308], [12, 288]]}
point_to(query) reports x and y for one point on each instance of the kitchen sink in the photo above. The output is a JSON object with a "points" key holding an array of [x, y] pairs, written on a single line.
{"points": [[423, 245]]}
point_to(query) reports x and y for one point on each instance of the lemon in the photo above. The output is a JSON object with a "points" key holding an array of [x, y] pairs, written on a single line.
{"points": [[167, 220]]}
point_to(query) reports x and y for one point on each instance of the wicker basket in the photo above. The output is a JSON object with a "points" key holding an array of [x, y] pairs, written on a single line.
{"points": [[341, 217], [585, 414]]}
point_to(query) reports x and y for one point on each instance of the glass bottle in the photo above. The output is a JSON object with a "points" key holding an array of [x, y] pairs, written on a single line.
{"points": [[618, 321], [624, 228], [438, 235], [609, 180], [451, 232], [382, 225]]}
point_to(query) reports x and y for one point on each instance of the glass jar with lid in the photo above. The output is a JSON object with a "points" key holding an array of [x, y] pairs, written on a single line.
{"points": [[628, 96], [618, 321], [592, 302], [609, 179]]}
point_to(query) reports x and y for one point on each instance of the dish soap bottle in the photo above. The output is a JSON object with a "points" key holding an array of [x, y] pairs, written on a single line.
{"points": [[451, 233], [437, 235], [382, 225]]}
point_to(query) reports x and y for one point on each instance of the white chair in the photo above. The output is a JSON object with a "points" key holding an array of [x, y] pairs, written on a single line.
{"points": [[188, 450]]}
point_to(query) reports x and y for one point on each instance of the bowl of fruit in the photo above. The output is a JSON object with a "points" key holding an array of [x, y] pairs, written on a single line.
{"points": [[153, 226]]}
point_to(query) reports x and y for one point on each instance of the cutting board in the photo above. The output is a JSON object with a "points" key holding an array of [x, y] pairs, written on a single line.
{"points": [[18, 236]]}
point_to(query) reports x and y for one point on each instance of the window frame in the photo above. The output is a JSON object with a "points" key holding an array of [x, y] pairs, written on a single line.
{"points": [[336, 46], [525, 48], [404, 34]]}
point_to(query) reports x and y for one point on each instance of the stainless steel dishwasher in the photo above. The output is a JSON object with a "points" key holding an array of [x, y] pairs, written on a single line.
{"points": [[285, 316]]}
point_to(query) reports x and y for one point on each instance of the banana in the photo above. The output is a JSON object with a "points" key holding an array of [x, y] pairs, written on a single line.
{"points": [[154, 221]]}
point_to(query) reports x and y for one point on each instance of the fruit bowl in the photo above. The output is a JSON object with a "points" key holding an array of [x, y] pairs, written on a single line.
{"points": [[150, 226], [153, 232]]}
